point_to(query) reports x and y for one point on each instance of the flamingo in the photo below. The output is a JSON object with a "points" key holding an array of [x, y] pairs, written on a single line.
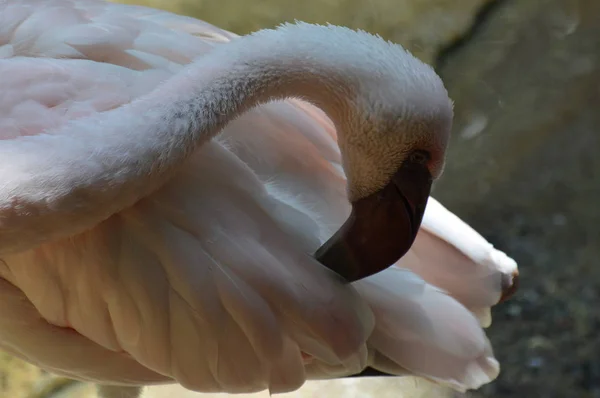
{"points": [[183, 205]]}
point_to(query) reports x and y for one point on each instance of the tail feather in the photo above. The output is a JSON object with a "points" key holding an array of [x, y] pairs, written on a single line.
{"points": [[451, 255], [422, 330]]}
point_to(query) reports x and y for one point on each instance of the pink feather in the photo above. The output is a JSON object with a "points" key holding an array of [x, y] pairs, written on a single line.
{"points": [[207, 281]]}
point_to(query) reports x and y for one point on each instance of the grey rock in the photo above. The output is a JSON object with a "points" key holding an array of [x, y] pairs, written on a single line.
{"points": [[524, 169]]}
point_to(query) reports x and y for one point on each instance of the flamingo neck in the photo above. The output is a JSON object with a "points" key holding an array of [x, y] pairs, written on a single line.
{"points": [[61, 183]]}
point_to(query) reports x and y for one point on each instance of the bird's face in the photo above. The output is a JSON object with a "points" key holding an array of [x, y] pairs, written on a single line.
{"points": [[390, 164]]}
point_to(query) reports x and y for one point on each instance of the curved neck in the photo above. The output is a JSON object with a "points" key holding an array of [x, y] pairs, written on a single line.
{"points": [[61, 183]]}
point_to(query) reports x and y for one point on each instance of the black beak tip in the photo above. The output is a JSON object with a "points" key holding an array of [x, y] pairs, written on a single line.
{"points": [[381, 228]]}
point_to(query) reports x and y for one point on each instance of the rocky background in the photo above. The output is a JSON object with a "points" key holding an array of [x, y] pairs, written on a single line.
{"points": [[522, 169]]}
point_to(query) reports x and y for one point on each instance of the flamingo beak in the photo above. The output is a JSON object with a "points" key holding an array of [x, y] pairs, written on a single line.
{"points": [[381, 227]]}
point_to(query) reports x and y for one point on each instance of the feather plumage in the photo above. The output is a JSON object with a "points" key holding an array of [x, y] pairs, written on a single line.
{"points": [[208, 281]]}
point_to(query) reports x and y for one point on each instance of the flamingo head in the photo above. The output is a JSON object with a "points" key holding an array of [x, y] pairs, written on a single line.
{"points": [[393, 133]]}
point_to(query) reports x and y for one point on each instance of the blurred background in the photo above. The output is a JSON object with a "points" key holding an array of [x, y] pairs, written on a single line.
{"points": [[523, 167]]}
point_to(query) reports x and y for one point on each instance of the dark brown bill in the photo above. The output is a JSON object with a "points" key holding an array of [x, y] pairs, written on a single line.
{"points": [[381, 228]]}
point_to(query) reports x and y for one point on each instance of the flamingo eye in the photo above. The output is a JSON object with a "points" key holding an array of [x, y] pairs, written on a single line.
{"points": [[419, 157]]}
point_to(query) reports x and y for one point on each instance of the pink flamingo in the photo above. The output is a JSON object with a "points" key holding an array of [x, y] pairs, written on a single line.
{"points": [[164, 183]]}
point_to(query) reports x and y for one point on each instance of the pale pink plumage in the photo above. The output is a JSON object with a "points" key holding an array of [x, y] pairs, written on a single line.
{"points": [[206, 281]]}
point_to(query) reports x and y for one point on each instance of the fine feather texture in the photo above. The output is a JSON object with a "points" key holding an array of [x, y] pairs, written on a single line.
{"points": [[91, 167], [207, 278]]}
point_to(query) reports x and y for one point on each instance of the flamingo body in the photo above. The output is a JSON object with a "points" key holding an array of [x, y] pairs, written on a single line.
{"points": [[207, 280]]}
